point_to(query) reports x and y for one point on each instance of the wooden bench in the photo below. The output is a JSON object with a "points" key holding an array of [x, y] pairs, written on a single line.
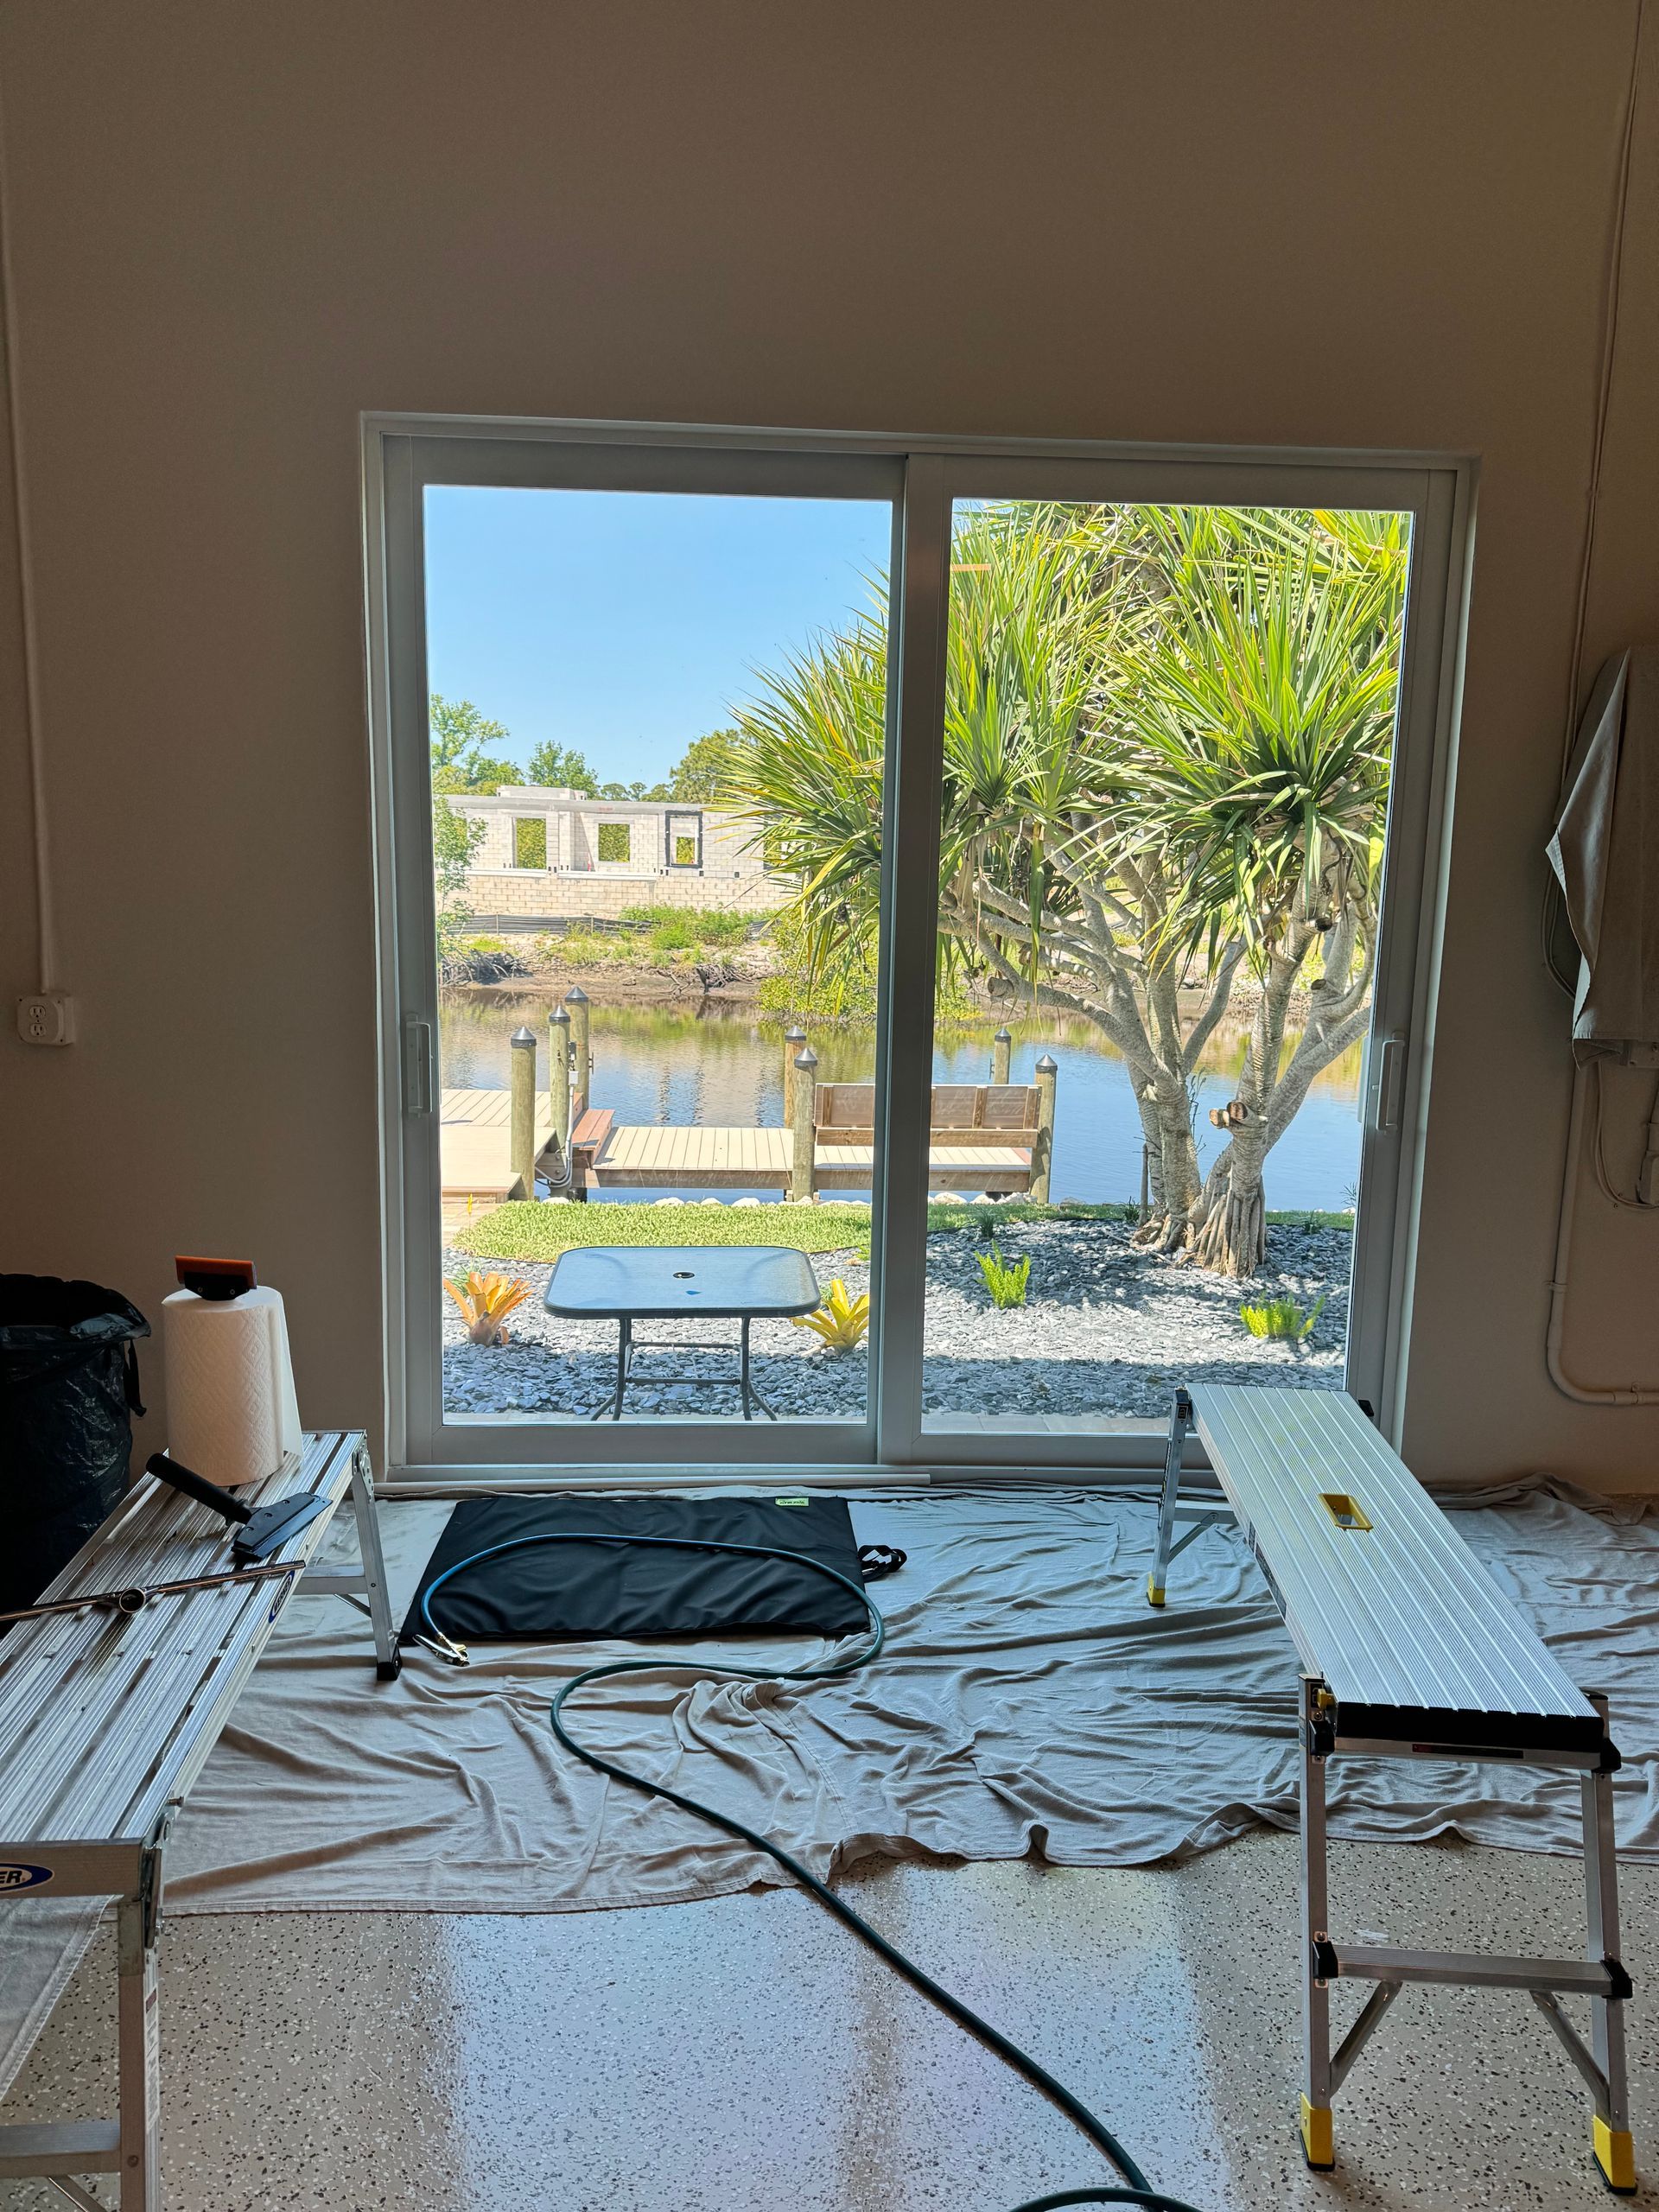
{"points": [[106, 1718], [1409, 1650], [981, 1136]]}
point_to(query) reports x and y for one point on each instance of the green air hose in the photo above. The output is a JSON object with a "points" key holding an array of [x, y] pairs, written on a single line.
{"points": [[1140, 2190]]}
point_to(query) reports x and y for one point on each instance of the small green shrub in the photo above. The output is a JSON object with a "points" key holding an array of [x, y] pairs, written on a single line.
{"points": [[1282, 1318], [678, 935], [616, 841], [724, 928], [1006, 1280]]}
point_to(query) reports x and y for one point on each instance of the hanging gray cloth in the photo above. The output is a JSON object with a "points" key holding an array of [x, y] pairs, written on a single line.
{"points": [[1605, 855]]}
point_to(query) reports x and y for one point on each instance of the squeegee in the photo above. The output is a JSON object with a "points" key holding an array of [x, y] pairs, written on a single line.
{"points": [[260, 1529]]}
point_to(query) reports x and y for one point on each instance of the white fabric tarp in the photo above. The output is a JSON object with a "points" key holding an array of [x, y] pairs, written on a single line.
{"points": [[1029, 1700]]}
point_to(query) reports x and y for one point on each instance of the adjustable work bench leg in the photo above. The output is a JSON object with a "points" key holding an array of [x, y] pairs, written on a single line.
{"points": [[140, 2058], [367, 1513], [1611, 2130], [1180, 1420], [1317, 2143]]}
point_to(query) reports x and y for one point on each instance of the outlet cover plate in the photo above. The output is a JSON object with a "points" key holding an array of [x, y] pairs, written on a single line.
{"points": [[47, 1018]]}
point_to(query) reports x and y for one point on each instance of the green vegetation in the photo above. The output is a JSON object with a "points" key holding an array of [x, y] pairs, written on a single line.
{"points": [[461, 734], [1006, 1280], [561, 767], [615, 842], [1167, 735], [529, 841], [520, 1231], [647, 934], [1281, 1317], [697, 777]]}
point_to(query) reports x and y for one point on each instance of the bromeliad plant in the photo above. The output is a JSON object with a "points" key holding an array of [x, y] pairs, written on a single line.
{"points": [[1006, 1280], [843, 1322], [485, 1303]]}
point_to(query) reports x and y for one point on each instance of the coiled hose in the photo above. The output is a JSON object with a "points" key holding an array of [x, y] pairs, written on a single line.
{"points": [[1138, 2190]]}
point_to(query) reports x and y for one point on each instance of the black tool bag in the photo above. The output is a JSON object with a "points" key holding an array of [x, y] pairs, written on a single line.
{"points": [[68, 1390]]}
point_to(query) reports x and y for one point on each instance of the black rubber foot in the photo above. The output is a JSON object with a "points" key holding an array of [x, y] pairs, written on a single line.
{"points": [[387, 1670]]}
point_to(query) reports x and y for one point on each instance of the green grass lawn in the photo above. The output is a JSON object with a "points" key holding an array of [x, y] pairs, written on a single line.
{"points": [[521, 1231]]}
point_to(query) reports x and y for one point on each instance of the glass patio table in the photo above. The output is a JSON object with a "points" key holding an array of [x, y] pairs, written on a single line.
{"points": [[630, 1283]]}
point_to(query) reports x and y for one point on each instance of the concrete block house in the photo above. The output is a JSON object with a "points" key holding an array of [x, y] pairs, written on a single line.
{"points": [[550, 855]]}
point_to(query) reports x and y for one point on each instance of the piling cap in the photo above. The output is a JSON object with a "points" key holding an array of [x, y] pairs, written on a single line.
{"points": [[794, 1034], [1003, 1037], [521, 1038], [1048, 1064], [575, 996], [560, 1015], [809, 1059]]}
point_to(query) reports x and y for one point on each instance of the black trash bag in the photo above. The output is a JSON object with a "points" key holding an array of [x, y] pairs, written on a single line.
{"points": [[68, 1390]]}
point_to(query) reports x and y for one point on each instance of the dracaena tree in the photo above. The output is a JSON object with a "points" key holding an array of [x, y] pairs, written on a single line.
{"points": [[1254, 731], [1048, 606]]}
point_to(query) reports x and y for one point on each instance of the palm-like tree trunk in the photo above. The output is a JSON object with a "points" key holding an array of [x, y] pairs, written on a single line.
{"points": [[1095, 967], [1231, 1234]]}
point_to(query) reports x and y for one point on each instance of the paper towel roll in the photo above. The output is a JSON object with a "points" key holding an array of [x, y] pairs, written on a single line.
{"points": [[231, 1413]]}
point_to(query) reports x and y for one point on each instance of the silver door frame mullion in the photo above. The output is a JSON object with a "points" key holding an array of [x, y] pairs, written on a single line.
{"points": [[910, 937]]}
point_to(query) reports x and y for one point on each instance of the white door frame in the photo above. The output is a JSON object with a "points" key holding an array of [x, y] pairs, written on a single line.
{"points": [[922, 476]]}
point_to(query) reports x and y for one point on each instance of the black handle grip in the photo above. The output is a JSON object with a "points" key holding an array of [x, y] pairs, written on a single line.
{"points": [[196, 1487]]}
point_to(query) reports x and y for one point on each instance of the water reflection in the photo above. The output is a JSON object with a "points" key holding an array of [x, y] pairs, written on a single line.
{"points": [[725, 1066]]}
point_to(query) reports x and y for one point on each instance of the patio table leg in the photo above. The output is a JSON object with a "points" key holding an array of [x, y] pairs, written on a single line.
{"points": [[624, 1345], [750, 1394]]}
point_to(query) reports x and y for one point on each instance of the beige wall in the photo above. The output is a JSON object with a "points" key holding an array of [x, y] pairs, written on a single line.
{"points": [[1379, 224]]}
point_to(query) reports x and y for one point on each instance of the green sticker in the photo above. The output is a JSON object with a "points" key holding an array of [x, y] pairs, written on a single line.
{"points": [[791, 1501]]}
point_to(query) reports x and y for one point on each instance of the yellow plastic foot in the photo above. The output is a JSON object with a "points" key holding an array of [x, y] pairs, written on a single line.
{"points": [[1154, 1591], [1616, 2156], [1318, 2147]]}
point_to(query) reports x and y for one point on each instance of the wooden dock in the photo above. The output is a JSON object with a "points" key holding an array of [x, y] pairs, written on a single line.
{"points": [[993, 1137], [473, 1141]]}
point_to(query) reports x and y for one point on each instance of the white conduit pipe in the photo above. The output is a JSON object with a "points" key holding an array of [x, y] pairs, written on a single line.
{"points": [[1558, 1374]]}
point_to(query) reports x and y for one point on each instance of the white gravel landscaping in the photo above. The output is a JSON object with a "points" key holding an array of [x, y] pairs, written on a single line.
{"points": [[1107, 1329]]}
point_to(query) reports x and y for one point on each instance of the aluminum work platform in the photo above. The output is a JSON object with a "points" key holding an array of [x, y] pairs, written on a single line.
{"points": [[107, 1717], [1409, 1650]]}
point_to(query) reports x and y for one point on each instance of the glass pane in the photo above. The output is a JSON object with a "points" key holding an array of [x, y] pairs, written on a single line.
{"points": [[628, 720], [1168, 750]]}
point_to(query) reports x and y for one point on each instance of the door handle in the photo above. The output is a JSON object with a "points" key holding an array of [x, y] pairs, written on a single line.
{"points": [[418, 1065], [1388, 1083]]}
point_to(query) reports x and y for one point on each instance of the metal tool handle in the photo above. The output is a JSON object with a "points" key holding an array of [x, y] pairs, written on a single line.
{"points": [[197, 1486]]}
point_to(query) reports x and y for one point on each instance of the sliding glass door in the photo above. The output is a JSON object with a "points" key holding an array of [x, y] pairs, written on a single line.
{"points": [[894, 956]]}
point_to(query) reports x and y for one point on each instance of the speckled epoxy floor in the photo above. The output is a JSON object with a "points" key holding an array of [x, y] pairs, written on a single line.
{"points": [[747, 2055]]}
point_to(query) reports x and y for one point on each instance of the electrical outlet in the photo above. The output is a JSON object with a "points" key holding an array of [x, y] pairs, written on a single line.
{"points": [[47, 1018]]}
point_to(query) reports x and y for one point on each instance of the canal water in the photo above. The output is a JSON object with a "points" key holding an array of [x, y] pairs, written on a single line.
{"points": [[721, 1066]]}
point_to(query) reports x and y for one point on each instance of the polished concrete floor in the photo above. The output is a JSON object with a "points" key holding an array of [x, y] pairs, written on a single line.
{"points": [[747, 2054]]}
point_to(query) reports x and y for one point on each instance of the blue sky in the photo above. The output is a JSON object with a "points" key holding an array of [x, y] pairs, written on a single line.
{"points": [[623, 623]]}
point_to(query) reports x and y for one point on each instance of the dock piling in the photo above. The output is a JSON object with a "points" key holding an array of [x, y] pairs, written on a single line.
{"points": [[583, 1067], [794, 1045], [1042, 1152], [1001, 1048], [558, 1081], [803, 1123], [521, 1156]]}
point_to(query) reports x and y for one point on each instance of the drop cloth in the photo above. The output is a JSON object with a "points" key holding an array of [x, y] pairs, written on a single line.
{"points": [[1029, 1700]]}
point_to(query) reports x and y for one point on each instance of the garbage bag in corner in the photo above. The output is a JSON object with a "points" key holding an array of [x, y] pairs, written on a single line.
{"points": [[68, 1390]]}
